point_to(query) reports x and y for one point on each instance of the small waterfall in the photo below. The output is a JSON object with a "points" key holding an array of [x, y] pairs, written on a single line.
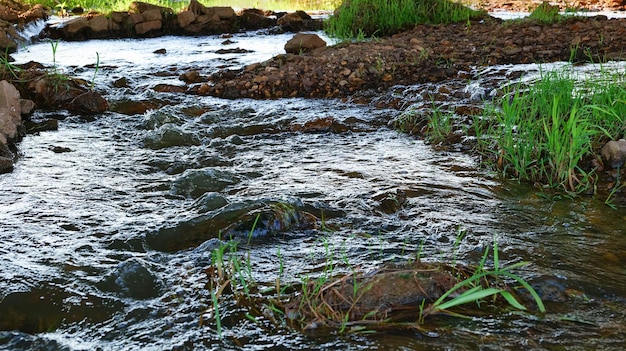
{"points": [[30, 32]]}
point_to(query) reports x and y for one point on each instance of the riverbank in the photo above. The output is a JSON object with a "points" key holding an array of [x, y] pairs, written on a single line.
{"points": [[427, 53]]}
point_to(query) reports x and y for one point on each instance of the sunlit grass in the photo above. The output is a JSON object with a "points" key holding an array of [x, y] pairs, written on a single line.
{"points": [[544, 131], [366, 18]]}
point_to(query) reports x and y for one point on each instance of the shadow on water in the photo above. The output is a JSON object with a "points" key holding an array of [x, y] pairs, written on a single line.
{"points": [[106, 246]]}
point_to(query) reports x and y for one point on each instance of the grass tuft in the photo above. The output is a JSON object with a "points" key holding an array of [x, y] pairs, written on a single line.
{"points": [[368, 18], [548, 132]]}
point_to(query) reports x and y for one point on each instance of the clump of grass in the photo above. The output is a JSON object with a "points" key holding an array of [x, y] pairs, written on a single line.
{"points": [[472, 291], [546, 131], [395, 295], [366, 18], [546, 13]]}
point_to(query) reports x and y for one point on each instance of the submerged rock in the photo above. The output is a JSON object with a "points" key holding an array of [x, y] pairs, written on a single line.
{"points": [[243, 219], [196, 182], [132, 278], [169, 135]]}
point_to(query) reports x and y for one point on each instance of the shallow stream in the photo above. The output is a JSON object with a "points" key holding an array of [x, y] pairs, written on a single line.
{"points": [[105, 245]]}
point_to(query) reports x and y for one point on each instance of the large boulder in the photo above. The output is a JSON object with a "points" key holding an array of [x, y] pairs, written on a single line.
{"points": [[11, 109], [302, 42]]}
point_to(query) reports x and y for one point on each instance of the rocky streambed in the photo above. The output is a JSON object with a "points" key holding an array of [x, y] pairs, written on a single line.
{"points": [[110, 224]]}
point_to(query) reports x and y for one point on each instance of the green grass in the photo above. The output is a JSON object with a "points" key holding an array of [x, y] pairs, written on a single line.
{"points": [[367, 18], [546, 13], [471, 290], [342, 298], [546, 131]]}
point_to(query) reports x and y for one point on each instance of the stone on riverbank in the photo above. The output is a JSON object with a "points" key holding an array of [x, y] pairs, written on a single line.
{"points": [[614, 153], [11, 109], [301, 43]]}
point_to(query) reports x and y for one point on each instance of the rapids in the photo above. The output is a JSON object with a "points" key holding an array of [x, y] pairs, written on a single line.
{"points": [[101, 248]]}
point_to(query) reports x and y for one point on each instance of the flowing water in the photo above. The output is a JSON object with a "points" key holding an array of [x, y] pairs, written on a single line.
{"points": [[106, 246]]}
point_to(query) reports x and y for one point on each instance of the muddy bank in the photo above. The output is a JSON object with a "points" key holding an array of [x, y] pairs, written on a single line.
{"points": [[427, 53]]}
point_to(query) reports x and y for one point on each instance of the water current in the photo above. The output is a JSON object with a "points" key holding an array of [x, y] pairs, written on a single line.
{"points": [[106, 246]]}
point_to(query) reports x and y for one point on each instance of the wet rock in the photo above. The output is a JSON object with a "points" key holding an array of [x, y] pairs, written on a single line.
{"points": [[132, 278], [235, 140], [253, 19], [390, 202], [191, 77], [158, 118], [209, 202], [614, 153], [293, 22], [232, 51], [56, 91], [6, 163], [128, 107], [304, 43], [169, 88], [88, 102], [233, 220], [10, 111], [194, 183], [169, 135], [33, 127], [59, 150]]}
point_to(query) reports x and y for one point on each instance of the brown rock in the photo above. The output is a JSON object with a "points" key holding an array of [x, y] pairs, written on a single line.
{"points": [[10, 111], [6, 42], [251, 20], [99, 24], [304, 43], [34, 13], [151, 15], [88, 102], [118, 17], [75, 26], [133, 19], [147, 27], [291, 22], [221, 12], [185, 18], [614, 153]]}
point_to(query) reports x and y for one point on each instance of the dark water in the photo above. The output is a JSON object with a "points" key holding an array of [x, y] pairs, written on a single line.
{"points": [[106, 246]]}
